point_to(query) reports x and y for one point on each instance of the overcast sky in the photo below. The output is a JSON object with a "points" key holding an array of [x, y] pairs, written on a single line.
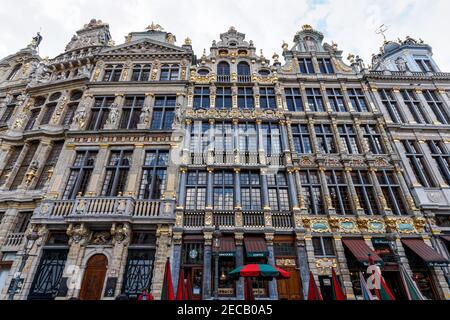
{"points": [[350, 23]]}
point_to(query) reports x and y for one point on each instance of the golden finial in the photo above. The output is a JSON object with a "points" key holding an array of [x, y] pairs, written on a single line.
{"points": [[188, 41], [307, 27], [154, 27]]}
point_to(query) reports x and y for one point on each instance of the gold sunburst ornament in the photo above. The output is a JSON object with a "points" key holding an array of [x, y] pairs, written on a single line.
{"points": [[154, 27]]}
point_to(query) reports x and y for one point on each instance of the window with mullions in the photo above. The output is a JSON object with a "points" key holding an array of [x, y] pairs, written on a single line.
{"points": [[245, 98], [441, 156], [323, 247], [131, 112], [365, 192], [23, 168], [196, 190], [347, 135], [415, 107], [315, 101], [389, 102], [372, 137], [117, 173], [306, 65], [250, 190], [325, 139], [223, 137], [325, 66], [9, 110], [170, 72], [223, 190], [13, 156], [278, 192], [35, 111], [80, 174], [271, 139], [223, 71], [163, 113], [141, 72], [267, 98], [14, 72], [154, 175], [248, 137], [301, 138], [100, 113], [358, 100], [436, 106], [312, 192], [336, 100], [201, 98], [392, 192], [138, 272], [50, 164], [199, 137], [70, 113], [224, 98], [338, 188], [425, 65], [49, 273], [113, 73], [294, 100], [418, 164], [48, 113]]}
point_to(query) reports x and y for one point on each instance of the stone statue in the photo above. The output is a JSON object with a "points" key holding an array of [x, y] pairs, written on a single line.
{"points": [[80, 116], [179, 117], [39, 73], [78, 234], [402, 65], [113, 115], [145, 115], [21, 120], [120, 233]]}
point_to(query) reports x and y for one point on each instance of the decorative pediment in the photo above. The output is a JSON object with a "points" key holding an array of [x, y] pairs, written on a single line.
{"points": [[143, 47]]}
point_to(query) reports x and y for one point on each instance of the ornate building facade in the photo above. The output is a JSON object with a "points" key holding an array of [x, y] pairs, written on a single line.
{"points": [[117, 157]]}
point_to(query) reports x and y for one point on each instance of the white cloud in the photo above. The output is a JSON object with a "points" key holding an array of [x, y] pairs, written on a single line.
{"points": [[350, 23]]}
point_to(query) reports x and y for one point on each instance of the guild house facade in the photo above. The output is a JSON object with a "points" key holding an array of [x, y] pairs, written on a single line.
{"points": [[115, 157]]}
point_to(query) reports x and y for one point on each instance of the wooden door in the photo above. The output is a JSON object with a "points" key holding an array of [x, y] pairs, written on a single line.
{"points": [[94, 278], [290, 289]]}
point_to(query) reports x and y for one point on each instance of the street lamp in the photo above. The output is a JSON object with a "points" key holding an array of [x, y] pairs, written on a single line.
{"points": [[31, 239], [216, 237]]}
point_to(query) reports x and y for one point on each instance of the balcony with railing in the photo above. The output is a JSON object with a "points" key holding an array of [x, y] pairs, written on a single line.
{"points": [[244, 78], [14, 242], [105, 208], [224, 78], [230, 158]]}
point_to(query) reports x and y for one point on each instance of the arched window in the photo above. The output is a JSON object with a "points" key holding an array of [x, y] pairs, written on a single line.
{"points": [[14, 72], [170, 72], [223, 72], [243, 70]]}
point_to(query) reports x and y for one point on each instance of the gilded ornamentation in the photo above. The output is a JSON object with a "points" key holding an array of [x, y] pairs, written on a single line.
{"points": [[419, 224]]}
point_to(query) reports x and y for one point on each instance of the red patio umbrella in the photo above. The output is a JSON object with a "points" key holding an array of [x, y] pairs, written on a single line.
{"points": [[167, 290], [248, 293], [338, 293], [262, 271], [313, 291]]}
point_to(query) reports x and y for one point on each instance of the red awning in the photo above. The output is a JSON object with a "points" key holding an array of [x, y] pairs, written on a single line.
{"points": [[255, 247], [227, 247], [428, 254], [361, 250]]}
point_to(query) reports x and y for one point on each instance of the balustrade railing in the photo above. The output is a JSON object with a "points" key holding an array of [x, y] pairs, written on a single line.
{"points": [[224, 219], [244, 78], [253, 219], [223, 78], [13, 242], [282, 220], [194, 219]]}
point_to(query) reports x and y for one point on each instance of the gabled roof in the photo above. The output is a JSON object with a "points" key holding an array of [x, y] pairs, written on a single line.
{"points": [[145, 46]]}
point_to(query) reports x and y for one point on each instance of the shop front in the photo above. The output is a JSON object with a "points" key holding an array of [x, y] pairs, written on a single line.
{"points": [[285, 252], [226, 255], [256, 252], [192, 264]]}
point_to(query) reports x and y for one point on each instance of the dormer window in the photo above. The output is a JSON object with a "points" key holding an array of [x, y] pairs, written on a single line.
{"points": [[425, 65], [325, 66], [170, 72], [14, 72]]}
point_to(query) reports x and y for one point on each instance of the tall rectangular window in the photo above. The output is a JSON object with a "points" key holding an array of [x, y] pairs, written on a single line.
{"points": [[348, 139], [80, 174], [245, 98], [267, 98], [224, 98], [325, 66], [357, 99], [415, 107], [196, 190], [312, 192], [306, 65], [163, 113], [392, 192], [418, 164], [441, 156], [365, 192], [154, 175], [372, 137], [436, 106], [336, 100], [34, 114], [425, 65], [70, 113], [325, 139], [390, 103], [294, 100], [23, 221], [338, 188], [250, 190], [248, 137], [202, 98], [278, 191], [170, 72], [112, 73], [315, 101], [199, 137], [100, 113], [48, 113], [117, 173], [13, 156], [223, 137], [50, 164], [223, 190], [131, 112], [141, 72], [20, 175], [301, 138], [9, 110], [271, 139], [323, 247]]}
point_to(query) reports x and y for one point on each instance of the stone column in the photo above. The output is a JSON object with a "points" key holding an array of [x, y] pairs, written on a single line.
{"points": [[261, 151], [356, 205], [134, 175], [302, 260], [410, 204], [381, 200], [293, 194], [121, 238], [312, 131], [207, 266], [237, 189], [265, 190], [326, 192], [176, 258], [95, 185], [210, 190], [163, 242], [273, 289], [334, 127], [239, 238], [344, 272], [182, 191]]}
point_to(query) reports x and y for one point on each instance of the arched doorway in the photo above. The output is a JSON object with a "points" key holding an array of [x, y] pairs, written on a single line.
{"points": [[94, 278]]}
